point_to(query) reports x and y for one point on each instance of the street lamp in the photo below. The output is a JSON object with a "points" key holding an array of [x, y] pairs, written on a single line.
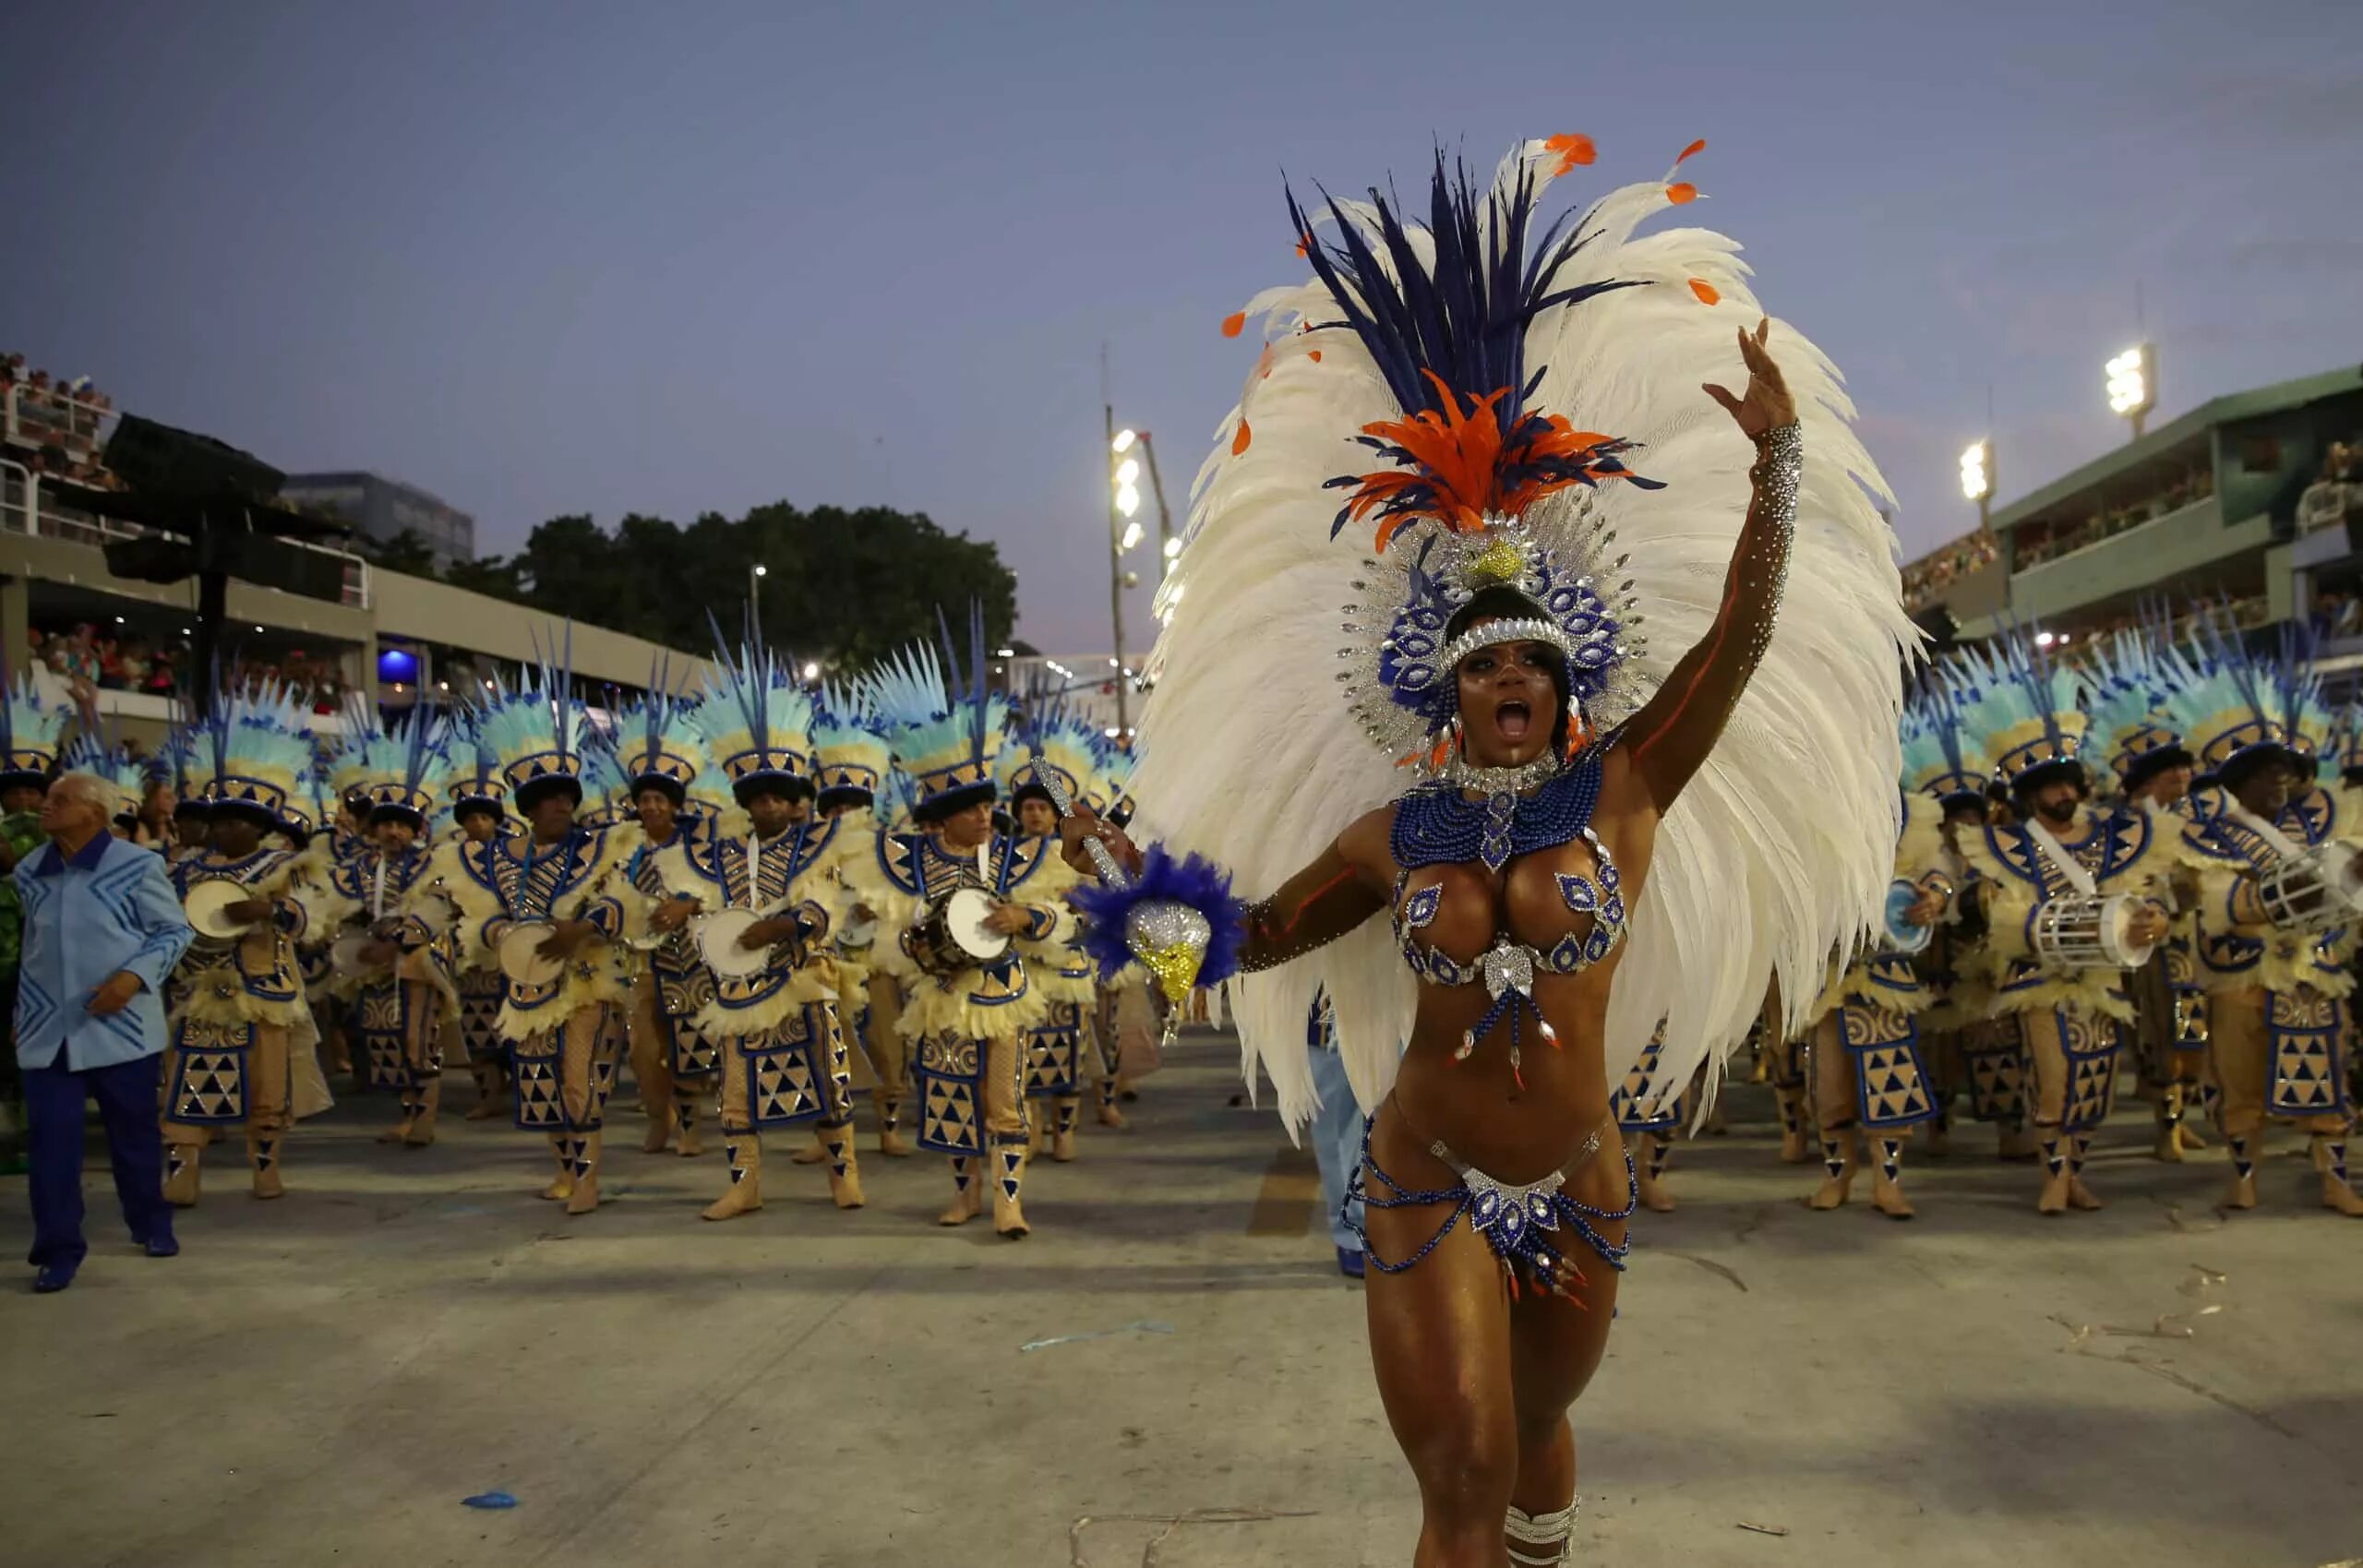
{"points": [[2133, 384], [1977, 477], [755, 575]]}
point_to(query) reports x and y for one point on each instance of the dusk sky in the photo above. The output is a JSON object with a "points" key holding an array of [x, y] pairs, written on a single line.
{"points": [[542, 258]]}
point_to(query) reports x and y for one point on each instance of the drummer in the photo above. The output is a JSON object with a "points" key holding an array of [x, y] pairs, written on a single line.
{"points": [[403, 1007], [2061, 857], [2271, 922], [242, 1034], [968, 1013], [760, 900], [475, 817], [1059, 745], [550, 903]]}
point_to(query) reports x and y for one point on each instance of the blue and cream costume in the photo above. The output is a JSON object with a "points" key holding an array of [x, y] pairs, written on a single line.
{"points": [[852, 763], [1061, 1049]]}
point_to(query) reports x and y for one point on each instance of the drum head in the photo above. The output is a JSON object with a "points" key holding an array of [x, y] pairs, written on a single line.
{"points": [[718, 936], [964, 914], [208, 903], [521, 955]]}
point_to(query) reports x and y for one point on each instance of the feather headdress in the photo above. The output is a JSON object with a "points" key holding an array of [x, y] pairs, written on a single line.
{"points": [[756, 720], [2226, 702], [850, 757], [944, 724], [658, 742], [2126, 702], [1940, 759], [1055, 739], [399, 769], [113, 766], [30, 729], [535, 733], [262, 741], [2027, 708]]}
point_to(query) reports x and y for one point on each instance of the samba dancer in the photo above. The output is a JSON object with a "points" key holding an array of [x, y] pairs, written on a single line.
{"points": [[762, 898], [404, 1001], [674, 1061], [546, 903], [473, 817], [2070, 901], [1053, 741], [2278, 866], [1490, 638], [1951, 769], [851, 763], [958, 895], [242, 1031]]}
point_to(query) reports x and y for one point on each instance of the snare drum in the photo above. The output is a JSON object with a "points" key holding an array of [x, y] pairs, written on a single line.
{"points": [[1902, 935], [208, 904], [718, 935], [2079, 932], [345, 956], [520, 954], [2312, 892], [954, 935]]}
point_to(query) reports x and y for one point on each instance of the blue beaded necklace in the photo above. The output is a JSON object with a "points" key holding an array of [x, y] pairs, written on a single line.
{"points": [[1437, 823]]}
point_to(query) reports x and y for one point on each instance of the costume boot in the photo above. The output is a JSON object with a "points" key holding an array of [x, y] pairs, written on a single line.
{"points": [[2054, 1199], [812, 1152], [1542, 1540], [659, 1136], [399, 1131], [1109, 1115], [1008, 1176], [561, 1150], [968, 1201], [1067, 1109], [491, 1100], [1790, 1102], [2168, 1111], [745, 1152], [181, 1173], [429, 1100], [262, 1154], [2079, 1195], [844, 1165], [585, 1196], [1887, 1182], [891, 1142], [685, 1117], [1650, 1173], [2243, 1192], [2330, 1158], [1839, 1158]]}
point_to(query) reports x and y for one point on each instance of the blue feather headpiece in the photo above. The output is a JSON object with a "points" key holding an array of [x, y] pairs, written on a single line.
{"points": [[656, 739], [30, 729], [945, 726], [262, 741], [398, 769], [2027, 709], [756, 720], [850, 757], [1939, 758], [537, 734]]}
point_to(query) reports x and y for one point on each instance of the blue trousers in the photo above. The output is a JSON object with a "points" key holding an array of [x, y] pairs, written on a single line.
{"points": [[127, 1097], [1337, 1134]]}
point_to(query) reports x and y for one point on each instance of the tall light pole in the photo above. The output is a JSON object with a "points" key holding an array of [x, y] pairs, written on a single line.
{"points": [[2133, 384], [1977, 479], [755, 575], [1123, 500]]}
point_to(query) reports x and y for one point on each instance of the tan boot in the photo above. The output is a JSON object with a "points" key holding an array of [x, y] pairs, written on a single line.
{"points": [[684, 1120], [181, 1163], [812, 1154], [1839, 1159], [968, 1198], [562, 1151], [2338, 1194], [585, 1196], [399, 1131], [1790, 1103], [2053, 1197], [844, 1165], [429, 1101], [1110, 1116], [1650, 1171], [2169, 1144], [1008, 1176], [744, 1151], [2079, 1195], [659, 1136], [488, 1092], [891, 1142], [1887, 1183], [1066, 1111], [262, 1154]]}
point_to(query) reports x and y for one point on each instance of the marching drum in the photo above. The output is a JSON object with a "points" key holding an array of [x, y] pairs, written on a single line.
{"points": [[954, 936], [520, 954], [718, 935], [209, 903], [1902, 935], [345, 956], [2078, 931], [2312, 892]]}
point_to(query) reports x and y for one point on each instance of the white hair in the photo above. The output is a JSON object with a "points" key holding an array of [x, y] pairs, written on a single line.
{"points": [[100, 793]]}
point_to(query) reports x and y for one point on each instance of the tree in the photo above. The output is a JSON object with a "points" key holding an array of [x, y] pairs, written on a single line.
{"points": [[845, 588], [405, 552]]}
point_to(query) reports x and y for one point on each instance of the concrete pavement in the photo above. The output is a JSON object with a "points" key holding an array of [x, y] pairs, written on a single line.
{"points": [[322, 1379]]}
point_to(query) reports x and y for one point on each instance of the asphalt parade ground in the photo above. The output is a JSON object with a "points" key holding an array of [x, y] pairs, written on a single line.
{"points": [[1168, 1373]]}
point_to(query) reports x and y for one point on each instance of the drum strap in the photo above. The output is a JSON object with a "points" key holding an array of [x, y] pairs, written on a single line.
{"points": [[2067, 864], [2273, 838]]}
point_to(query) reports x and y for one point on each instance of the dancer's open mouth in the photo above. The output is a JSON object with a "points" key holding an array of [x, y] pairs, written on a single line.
{"points": [[1513, 720]]}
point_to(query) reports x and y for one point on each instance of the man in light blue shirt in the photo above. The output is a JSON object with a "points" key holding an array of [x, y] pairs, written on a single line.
{"points": [[102, 930], [1337, 1134]]}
